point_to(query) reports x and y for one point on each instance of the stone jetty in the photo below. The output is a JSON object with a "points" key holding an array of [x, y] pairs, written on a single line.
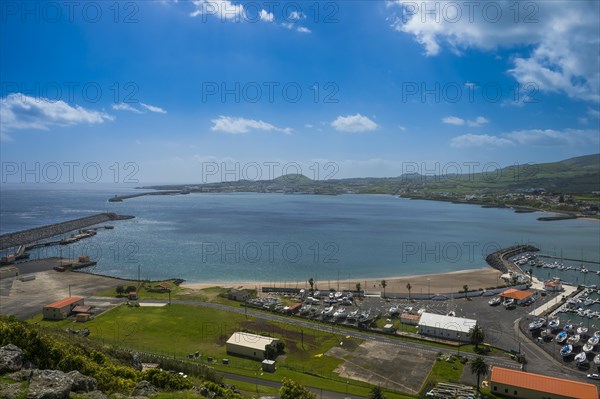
{"points": [[29, 236]]}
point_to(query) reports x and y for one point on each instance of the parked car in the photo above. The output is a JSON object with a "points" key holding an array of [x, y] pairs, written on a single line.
{"points": [[593, 376]]}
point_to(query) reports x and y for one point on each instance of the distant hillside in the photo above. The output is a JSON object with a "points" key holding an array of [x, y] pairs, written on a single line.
{"points": [[580, 175]]}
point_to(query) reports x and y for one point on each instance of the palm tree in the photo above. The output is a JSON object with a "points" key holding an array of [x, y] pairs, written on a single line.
{"points": [[311, 282], [465, 289], [383, 284], [408, 287], [376, 393], [480, 368], [476, 335], [358, 288]]}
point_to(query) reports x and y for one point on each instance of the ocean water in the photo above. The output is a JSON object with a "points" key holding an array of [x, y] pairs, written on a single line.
{"points": [[284, 238]]}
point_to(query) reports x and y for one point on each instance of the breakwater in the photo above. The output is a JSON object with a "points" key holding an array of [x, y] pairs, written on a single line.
{"points": [[29, 236], [499, 259], [120, 198]]}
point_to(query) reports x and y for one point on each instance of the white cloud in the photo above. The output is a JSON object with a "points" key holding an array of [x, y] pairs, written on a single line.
{"points": [[479, 121], [402, 128], [562, 37], [479, 140], [224, 9], [354, 123], [550, 137], [296, 16], [234, 125], [302, 29], [126, 107], [18, 111], [153, 108], [266, 16], [4, 137], [531, 137], [453, 120], [308, 126], [593, 113]]}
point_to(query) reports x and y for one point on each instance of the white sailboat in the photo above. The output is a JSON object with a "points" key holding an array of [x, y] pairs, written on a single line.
{"points": [[593, 340], [597, 360], [573, 340]]}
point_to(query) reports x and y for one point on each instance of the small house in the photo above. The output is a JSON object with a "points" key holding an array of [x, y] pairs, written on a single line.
{"points": [[553, 285], [249, 345], [268, 366]]}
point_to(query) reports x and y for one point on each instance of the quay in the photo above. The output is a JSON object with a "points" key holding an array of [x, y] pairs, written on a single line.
{"points": [[120, 198], [23, 238]]}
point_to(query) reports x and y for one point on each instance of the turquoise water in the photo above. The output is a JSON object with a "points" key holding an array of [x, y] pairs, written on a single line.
{"points": [[279, 238]]}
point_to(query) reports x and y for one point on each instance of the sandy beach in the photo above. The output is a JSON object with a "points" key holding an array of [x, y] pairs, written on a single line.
{"points": [[421, 284]]}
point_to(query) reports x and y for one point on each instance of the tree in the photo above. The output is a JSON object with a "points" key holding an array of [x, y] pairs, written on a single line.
{"points": [[293, 390], [476, 335], [408, 287], [376, 393], [383, 284], [131, 288], [311, 282], [465, 290], [120, 290], [358, 288], [480, 368]]}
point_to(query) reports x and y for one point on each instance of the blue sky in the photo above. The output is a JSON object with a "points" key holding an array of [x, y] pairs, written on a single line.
{"points": [[174, 87]]}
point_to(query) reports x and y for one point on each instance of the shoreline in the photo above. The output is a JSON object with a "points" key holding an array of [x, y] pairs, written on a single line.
{"points": [[434, 283]]}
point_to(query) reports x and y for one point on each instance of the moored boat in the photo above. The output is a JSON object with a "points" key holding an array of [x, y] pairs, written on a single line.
{"points": [[561, 336], [566, 350], [588, 348], [593, 340], [597, 360], [580, 358], [573, 340], [554, 324]]}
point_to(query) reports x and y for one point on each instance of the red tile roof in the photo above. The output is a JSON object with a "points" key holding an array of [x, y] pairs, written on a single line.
{"points": [[516, 294], [543, 383], [64, 302]]}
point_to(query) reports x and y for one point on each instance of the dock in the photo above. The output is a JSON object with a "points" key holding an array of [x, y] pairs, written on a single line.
{"points": [[25, 238], [569, 259]]}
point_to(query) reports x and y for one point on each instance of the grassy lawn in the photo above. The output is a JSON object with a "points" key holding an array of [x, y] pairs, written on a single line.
{"points": [[179, 330], [445, 369]]}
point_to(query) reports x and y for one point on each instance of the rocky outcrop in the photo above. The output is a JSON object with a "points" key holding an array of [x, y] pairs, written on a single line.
{"points": [[11, 358], [10, 391], [81, 383], [144, 388], [49, 384]]}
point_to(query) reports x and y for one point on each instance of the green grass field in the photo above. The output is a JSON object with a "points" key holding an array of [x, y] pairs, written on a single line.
{"points": [[179, 330]]}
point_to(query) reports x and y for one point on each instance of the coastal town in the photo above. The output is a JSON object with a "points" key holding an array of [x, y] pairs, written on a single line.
{"points": [[366, 333]]}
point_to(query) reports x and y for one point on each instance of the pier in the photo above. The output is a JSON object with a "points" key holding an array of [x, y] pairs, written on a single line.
{"points": [[120, 198], [25, 237]]}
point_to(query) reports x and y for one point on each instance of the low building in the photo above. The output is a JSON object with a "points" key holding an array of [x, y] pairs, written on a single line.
{"points": [[268, 366], [239, 295], [81, 309], [553, 285], [518, 384], [445, 327], [249, 345], [62, 309], [520, 296], [82, 317], [410, 319], [389, 329], [133, 296]]}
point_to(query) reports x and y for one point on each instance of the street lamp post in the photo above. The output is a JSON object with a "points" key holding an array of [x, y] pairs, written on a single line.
{"points": [[428, 287]]}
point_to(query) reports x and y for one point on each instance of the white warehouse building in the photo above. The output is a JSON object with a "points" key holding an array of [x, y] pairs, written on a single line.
{"points": [[249, 345], [445, 327]]}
